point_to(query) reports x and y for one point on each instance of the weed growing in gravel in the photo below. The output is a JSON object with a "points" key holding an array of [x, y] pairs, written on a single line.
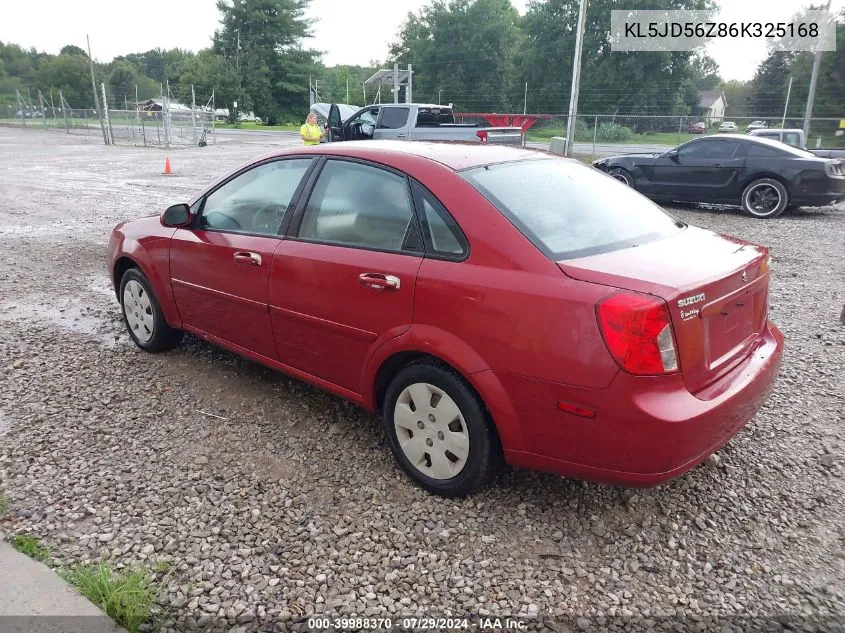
{"points": [[126, 597], [31, 546], [4, 504]]}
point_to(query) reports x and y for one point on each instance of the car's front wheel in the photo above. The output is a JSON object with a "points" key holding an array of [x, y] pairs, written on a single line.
{"points": [[765, 198], [622, 175], [142, 314], [439, 430]]}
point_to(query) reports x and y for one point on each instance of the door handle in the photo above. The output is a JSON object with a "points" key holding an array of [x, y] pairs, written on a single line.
{"points": [[247, 259], [401, 136], [379, 281], [718, 166]]}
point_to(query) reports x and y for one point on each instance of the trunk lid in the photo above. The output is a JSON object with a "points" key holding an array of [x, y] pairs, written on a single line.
{"points": [[716, 288]]}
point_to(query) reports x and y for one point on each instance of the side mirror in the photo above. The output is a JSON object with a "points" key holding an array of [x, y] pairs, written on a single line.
{"points": [[176, 216], [673, 155]]}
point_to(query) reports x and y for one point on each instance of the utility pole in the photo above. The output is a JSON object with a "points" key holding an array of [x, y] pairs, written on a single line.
{"points": [[786, 106], [235, 118], [410, 88], [439, 92], [396, 83], [94, 89], [814, 77], [525, 101], [576, 78]]}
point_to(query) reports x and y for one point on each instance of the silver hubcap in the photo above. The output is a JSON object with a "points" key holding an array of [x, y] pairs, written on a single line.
{"points": [[138, 311], [621, 178], [763, 199], [431, 430]]}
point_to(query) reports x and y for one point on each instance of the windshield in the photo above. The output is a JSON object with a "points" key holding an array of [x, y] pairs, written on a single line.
{"points": [[568, 210]]}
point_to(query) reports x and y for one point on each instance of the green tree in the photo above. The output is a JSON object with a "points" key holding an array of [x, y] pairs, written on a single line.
{"points": [[623, 82], [121, 83], [207, 71], [263, 39], [468, 49], [71, 75], [767, 90], [72, 49], [736, 96]]}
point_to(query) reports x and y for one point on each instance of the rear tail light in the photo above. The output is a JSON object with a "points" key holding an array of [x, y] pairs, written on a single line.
{"points": [[835, 168], [482, 134], [638, 332]]}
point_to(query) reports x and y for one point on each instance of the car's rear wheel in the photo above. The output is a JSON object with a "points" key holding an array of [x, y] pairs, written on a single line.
{"points": [[142, 314], [622, 175], [439, 430], [765, 198]]}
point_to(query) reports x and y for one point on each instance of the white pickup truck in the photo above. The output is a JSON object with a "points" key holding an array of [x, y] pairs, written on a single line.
{"points": [[414, 122]]}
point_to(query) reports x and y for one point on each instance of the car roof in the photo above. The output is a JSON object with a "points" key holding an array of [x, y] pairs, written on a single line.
{"points": [[454, 155]]}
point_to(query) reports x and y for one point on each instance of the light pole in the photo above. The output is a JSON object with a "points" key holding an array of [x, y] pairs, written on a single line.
{"points": [[576, 78], [438, 96]]}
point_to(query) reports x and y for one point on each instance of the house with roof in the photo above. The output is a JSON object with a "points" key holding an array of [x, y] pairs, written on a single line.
{"points": [[711, 106]]}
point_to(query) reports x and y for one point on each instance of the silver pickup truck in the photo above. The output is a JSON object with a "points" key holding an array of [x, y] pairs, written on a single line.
{"points": [[414, 122], [795, 137]]}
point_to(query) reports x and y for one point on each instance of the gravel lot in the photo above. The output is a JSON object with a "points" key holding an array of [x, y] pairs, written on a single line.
{"points": [[269, 499]]}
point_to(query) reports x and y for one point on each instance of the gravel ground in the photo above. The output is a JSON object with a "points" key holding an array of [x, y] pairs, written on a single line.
{"points": [[258, 499]]}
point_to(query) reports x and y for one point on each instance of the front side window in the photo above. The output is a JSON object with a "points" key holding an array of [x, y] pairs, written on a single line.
{"points": [[359, 205], [367, 117], [567, 209], [255, 201], [393, 118]]}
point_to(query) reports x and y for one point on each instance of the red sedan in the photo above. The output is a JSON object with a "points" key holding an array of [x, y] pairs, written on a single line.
{"points": [[492, 304]]}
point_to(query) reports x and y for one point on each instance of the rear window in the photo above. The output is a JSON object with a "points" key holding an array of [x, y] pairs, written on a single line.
{"points": [[567, 209]]}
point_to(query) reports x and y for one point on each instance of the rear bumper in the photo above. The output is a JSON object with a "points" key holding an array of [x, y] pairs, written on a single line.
{"points": [[818, 199], [647, 430]]}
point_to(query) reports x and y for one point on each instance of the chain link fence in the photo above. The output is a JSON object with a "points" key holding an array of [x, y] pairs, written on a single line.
{"points": [[186, 115], [599, 132], [162, 120]]}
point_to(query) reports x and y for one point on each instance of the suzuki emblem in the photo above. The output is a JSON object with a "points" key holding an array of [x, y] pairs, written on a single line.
{"points": [[744, 277]]}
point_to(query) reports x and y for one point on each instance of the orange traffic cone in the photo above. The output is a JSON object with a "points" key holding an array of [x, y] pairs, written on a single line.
{"points": [[167, 170]]}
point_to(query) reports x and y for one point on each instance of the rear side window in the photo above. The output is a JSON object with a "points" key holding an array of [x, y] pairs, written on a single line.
{"points": [[442, 235], [567, 209], [792, 138], [762, 150], [393, 118]]}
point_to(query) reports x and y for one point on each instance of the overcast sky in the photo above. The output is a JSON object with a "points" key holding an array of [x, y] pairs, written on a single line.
{"points": [[346, 32]]}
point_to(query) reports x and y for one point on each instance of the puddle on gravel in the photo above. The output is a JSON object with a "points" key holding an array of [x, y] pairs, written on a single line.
{"points": [[78, 319]]}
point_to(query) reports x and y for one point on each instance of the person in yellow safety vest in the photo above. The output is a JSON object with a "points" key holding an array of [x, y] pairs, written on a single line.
{"points": [[310, 131]]}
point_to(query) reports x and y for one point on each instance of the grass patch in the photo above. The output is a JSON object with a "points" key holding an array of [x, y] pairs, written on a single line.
{"points": [[31, 546], [127, 597]]}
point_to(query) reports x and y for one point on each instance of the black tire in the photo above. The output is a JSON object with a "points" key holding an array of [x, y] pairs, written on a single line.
{"points": [[163, 336], [623, 175], [484, 459], [765, 198]]}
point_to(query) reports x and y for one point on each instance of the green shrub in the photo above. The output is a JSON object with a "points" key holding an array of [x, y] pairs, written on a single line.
{"points": [[614, 133]]}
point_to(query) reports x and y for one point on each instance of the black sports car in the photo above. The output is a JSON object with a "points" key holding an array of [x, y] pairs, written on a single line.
{"points": [[762, 176]]}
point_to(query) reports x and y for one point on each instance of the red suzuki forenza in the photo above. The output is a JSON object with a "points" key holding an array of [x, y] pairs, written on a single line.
{"points": [[493, 304]]}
